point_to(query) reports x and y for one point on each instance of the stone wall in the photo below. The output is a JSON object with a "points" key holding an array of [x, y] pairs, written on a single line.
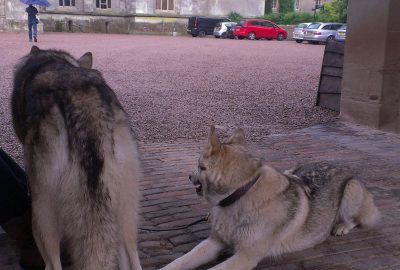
{"points": [[58, 22], [371, 80]]}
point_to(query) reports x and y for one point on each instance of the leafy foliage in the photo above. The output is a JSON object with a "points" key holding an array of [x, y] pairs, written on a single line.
{"points": [[336, 11], [286, 6], [289, 18], [234, 16]]}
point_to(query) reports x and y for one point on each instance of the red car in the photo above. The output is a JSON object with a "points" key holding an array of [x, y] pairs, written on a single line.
{"points": [[259, 28]]}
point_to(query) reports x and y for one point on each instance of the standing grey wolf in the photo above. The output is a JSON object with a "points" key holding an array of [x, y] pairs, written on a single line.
{"points": [[81, 159], [261, 212]]}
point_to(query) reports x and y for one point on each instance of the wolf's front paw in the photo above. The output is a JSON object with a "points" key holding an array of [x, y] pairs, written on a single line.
{"points": [[343, 228]]}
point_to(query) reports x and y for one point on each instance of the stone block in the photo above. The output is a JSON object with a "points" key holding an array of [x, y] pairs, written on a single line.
{"points": [[392, 57], [360, 112], [394, 19], [391, 86], [389, 115], [398, 119], [362, 83], [360, 47]]}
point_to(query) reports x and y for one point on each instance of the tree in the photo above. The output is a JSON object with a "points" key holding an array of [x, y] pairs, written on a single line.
{"points": [[335, 11], [286, 6], [340, 7]]}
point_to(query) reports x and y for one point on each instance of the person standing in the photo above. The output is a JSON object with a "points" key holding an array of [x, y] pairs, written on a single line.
{"points": [[32, 22]]}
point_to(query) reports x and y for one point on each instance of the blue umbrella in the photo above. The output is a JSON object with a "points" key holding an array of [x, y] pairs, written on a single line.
{"points": [[43, 3]]}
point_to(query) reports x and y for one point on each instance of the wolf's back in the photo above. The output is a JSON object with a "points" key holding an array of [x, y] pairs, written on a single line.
{"points": [[67, 117]]}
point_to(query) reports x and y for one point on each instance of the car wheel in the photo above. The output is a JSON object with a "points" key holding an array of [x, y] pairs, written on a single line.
{"points": [[252, 36], [280, 37], [299, 40], [216, 36], [194, 35], [330, 38], [202, 34]]}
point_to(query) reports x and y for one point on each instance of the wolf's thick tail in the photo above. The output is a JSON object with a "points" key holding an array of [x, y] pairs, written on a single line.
{"points": [[369, 215], [358, 205], [95, 246]]}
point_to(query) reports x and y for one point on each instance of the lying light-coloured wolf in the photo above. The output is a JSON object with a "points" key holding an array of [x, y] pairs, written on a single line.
{"points": [[81, 160], [261, 212]]}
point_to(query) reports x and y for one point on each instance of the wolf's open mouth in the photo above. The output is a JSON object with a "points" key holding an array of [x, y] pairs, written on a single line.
{"points": [[199, 188]]}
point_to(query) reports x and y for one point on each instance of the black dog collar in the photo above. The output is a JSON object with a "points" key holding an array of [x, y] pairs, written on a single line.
{"points": [[238, 193]]}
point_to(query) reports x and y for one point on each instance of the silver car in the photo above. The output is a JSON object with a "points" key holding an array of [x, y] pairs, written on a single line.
{"points": [[341, 33], [321, 32], [224, 29], [298, 31]]}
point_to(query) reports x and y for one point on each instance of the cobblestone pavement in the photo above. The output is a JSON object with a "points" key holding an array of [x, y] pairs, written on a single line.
{"points": [[169, 200]]}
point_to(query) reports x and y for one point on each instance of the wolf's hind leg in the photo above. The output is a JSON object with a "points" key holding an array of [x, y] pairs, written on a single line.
{"points": [[45, 231], [357, 208], [128, 251]]}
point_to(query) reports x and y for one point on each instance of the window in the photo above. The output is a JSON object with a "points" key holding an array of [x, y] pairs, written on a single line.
{"points": [[302, 25], [241, 23], [103, 4], [274, 4], [66, 3], [267, 24], [314, 26], [336, 26], [297, 5], [165, 5], [318, 2]]}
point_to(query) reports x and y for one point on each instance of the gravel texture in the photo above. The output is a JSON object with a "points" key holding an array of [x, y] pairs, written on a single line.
{"points": [[176, 87]]}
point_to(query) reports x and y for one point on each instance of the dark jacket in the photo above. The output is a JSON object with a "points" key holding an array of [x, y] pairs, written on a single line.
{"points": [[32, 11]]}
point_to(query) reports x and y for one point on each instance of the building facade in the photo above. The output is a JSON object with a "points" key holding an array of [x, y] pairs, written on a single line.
{"points": [[134, 16], [299, 5], [123, 16]]}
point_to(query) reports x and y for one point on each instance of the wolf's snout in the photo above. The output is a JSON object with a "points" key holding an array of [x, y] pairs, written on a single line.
{"points": [[195, 181]]}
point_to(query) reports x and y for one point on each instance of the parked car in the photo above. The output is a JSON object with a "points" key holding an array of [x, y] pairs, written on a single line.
{"points": [[224, 30], [298, 31], [341, 33], [201, 26], [259, 28], [321, 32]]}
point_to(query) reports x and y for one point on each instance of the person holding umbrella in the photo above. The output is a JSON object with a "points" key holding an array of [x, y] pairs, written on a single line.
{"points": [[32, 19], [32, 22]]}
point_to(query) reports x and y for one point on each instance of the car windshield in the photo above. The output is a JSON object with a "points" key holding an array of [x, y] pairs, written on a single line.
{"points": [[314, 26], [343, 27], [241, 23], [301, 25]]}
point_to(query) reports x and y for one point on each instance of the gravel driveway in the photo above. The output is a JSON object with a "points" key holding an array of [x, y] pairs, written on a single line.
{"points": [[176, 87]]}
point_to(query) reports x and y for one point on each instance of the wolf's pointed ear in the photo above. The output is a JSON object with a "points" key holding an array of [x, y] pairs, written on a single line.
{"points": [[86, 60], [213, 142], [237, 137], [35, 49]]}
